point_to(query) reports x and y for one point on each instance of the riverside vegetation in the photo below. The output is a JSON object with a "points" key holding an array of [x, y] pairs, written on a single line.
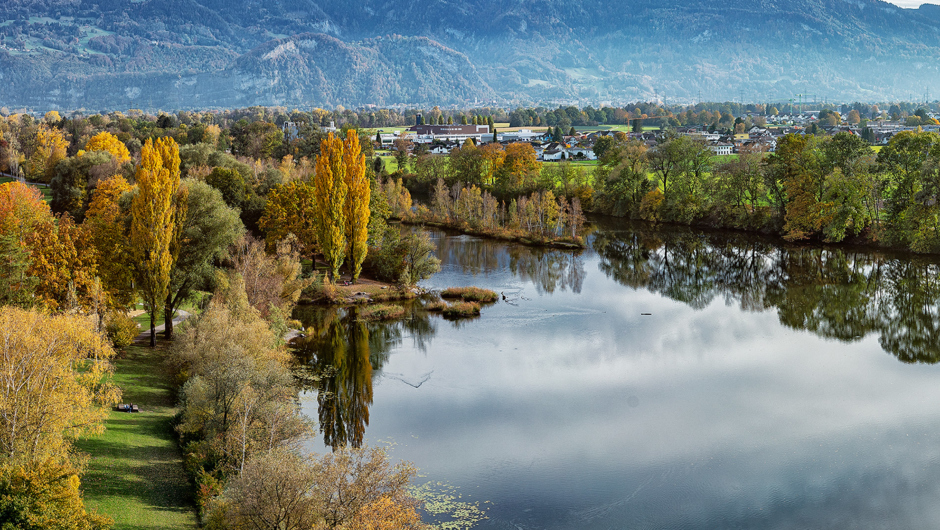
{"points": [[156, 210], [126, 227], [811, 188]]}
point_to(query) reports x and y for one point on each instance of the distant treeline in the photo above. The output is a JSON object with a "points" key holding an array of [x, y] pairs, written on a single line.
{"points": [[826, 188]]}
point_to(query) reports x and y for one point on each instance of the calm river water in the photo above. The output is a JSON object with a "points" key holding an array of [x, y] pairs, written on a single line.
{"points": [[660, 379]]}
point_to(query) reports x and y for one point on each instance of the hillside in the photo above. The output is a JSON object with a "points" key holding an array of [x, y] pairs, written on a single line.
{"points": [[204, 53]]}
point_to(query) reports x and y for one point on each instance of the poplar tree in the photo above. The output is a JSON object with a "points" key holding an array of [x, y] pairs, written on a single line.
{"points": [[330, 195], [156, 211], [356, 208]]}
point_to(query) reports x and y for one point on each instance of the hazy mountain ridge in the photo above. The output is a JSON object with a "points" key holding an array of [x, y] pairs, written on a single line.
{"points": [[224, 53]]}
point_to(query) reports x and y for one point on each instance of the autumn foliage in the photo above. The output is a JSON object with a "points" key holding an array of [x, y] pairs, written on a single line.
{"points": [[330, 212], [105, 141], [157, 211]]}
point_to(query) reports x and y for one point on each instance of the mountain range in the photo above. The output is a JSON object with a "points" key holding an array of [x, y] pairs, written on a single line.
{"points": [[176, 54]]}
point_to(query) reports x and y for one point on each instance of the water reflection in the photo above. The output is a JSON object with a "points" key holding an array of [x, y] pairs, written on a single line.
{"points": [[837, 293], [548, 270], [344, 354]]}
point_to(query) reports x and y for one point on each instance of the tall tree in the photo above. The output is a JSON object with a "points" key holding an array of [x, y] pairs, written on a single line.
{"points": [[156, 214], [208, 229], [356, 208], [106, 222], [330, 190]]}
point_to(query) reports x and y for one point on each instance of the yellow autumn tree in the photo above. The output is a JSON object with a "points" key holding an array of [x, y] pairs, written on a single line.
{"points": [[156, 213], [105, 141], [63, 257], [56, 388], [356, 209], [105, 224], [49, 148], [329, 184], [46, 494], [56, 383], [289, 211]]}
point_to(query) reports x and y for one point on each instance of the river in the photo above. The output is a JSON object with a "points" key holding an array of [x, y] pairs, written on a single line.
{"points": [[661, 378]]}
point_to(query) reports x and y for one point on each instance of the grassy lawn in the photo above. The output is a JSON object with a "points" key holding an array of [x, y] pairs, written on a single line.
{"points": [[135, 473], [585, 163], [388, 158]]}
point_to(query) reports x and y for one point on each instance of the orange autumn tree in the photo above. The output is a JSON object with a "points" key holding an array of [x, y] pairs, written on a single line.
{"points": [[156, 214], [519, 169], [22, 210], [356, 209]]}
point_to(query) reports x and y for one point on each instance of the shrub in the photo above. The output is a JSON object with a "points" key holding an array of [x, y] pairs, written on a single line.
{"points": [[462, 310], [122, 330], [435, 306], [382, 312], [470, 294]]}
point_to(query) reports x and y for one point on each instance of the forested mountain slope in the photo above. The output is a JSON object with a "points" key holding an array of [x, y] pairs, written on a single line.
{"points": [[200, 53]]}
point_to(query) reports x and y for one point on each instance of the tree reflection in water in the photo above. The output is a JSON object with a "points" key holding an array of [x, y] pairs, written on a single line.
{"points": [[837, 293], [344, 355], [549, 270]]}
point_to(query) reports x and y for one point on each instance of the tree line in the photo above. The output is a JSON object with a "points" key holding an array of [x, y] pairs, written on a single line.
{"points": [[824, 188]]}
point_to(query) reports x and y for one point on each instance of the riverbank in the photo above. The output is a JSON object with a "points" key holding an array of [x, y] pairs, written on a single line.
{"points": [[364, 291], [528, 239]]}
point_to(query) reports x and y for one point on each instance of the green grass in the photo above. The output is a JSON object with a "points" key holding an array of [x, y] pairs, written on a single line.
{"points": [[143, 320], [391, 165], [584, 163], [135, 474]]}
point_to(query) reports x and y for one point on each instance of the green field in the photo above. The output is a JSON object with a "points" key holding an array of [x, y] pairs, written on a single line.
{"points": [[135, 474]]}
